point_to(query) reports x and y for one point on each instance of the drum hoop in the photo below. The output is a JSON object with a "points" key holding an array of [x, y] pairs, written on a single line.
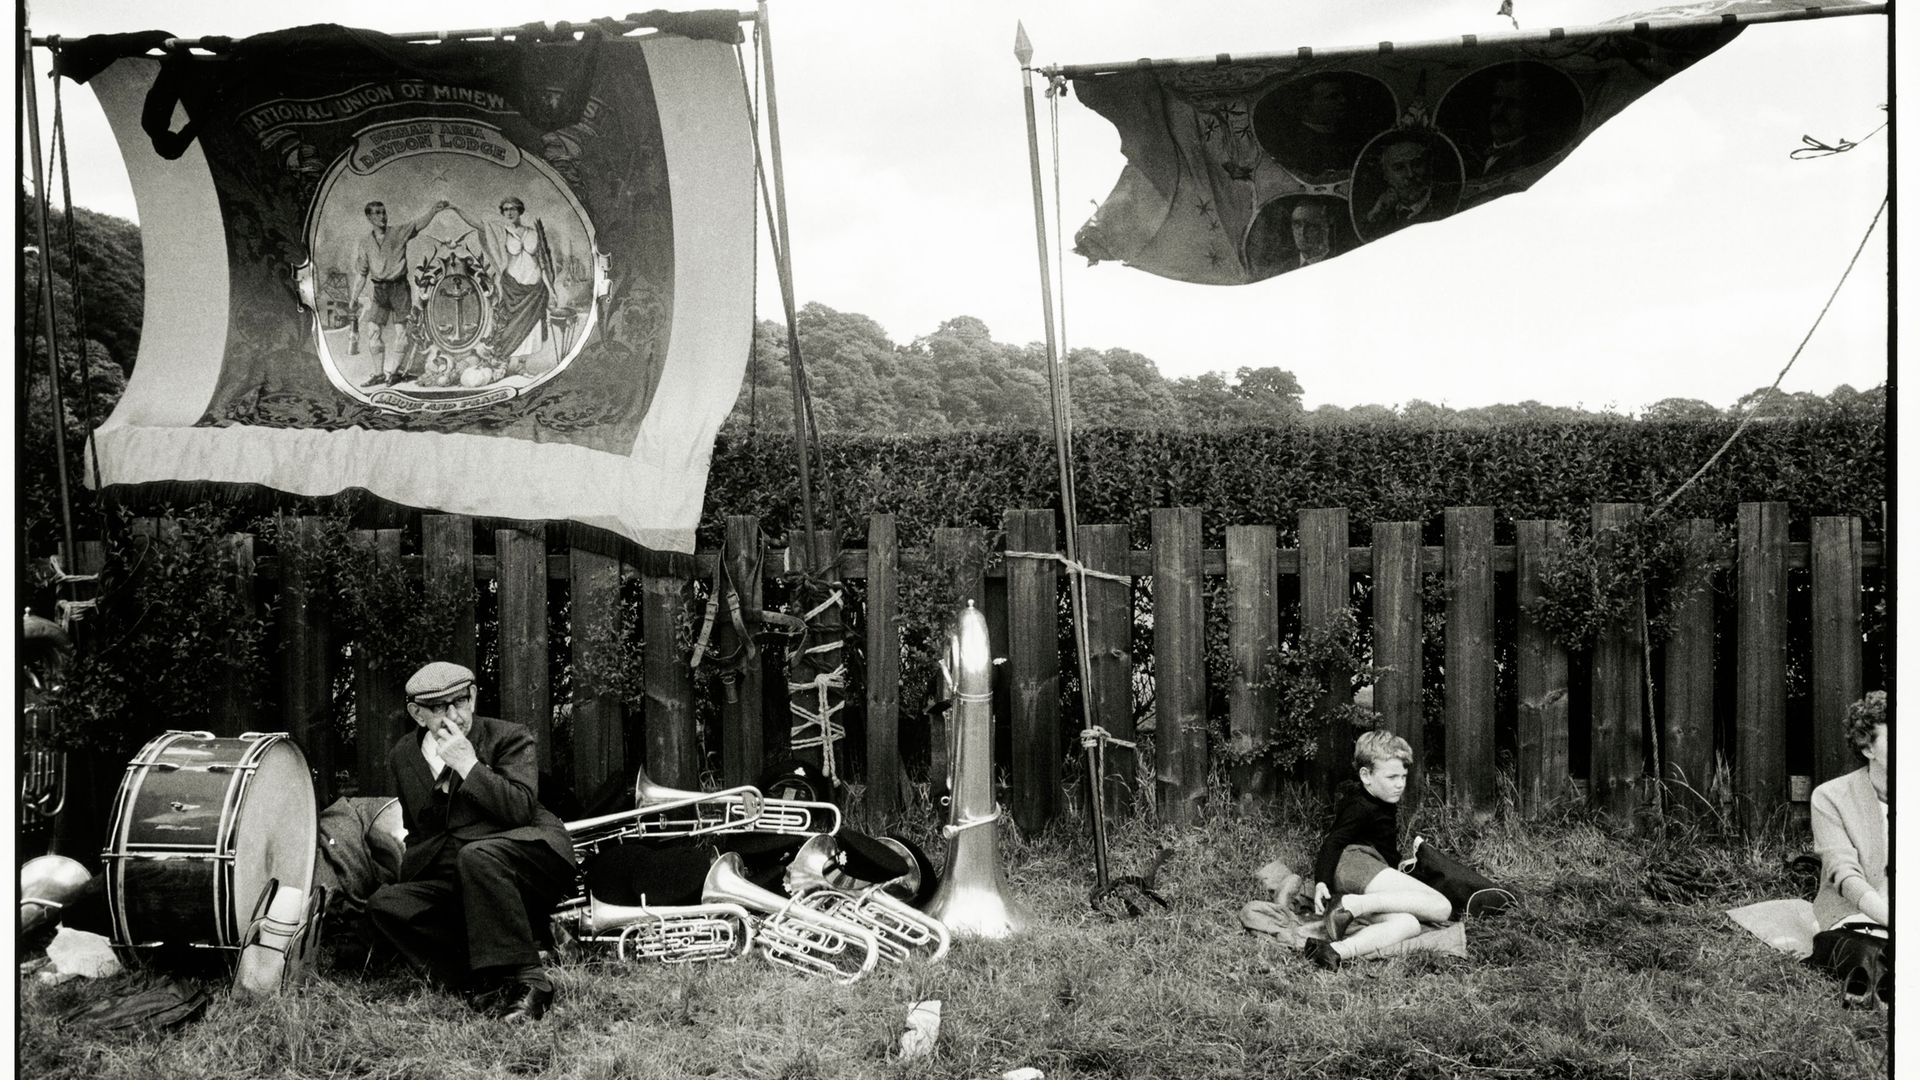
{"points": [[120, 850]]}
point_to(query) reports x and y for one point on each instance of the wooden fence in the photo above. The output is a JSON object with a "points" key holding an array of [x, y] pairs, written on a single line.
{"points": [[1555, 703]]}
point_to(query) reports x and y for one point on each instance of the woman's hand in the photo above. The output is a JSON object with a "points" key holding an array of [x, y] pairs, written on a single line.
{"points": [[1321, 894]]}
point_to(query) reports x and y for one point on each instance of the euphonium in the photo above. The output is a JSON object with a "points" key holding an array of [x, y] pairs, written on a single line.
{"points": [[899, 929], [791, 934], [972, 897], [673, 934]]}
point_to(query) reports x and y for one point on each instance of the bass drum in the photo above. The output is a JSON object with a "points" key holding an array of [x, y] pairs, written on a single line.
{"points": [[203, 828]]}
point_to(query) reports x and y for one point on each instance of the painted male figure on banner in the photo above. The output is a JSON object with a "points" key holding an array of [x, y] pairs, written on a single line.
{"points": [[446, 266], [380, 298]]}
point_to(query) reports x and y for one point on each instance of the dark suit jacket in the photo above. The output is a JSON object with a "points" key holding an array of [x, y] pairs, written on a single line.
{"points": [[496, 798]]}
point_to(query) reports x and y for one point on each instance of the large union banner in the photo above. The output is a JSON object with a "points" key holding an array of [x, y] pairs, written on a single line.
{"points": [[512, 280], [1247, 168]]}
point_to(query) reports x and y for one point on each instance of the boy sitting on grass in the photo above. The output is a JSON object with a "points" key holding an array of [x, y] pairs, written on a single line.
{"points": [[1375, 903]]}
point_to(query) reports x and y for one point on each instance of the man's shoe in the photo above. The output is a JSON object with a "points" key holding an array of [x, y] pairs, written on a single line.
{"points": [[524, 1002], [380, 378], [486, 999], [1338, 920], [1323, 954]]}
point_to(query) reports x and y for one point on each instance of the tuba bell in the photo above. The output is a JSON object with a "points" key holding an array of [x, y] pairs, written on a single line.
{"points": [[47, 884], [972, 898], [790, 934], [899, 929]]}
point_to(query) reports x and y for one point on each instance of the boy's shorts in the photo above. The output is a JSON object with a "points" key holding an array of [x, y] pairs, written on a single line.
{"points": [[1359, 865]]}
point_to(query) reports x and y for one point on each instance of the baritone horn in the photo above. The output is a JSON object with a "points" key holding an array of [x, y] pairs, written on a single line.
{"points": [[973, 898], [670, 934], [44, 650], [791, 934], [899, 929]]}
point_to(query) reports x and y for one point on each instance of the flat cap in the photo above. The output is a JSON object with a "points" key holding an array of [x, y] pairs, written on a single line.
{"points": [[437, 682]]}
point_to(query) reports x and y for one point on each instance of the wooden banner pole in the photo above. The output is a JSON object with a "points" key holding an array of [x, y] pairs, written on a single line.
{"points": [[783, 262]]}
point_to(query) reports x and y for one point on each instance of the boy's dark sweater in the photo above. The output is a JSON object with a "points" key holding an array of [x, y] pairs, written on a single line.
{"points": [[1358, 818]]}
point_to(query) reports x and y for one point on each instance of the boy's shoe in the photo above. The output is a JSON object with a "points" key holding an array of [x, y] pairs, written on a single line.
{"points": [[1338, 920], [1323, 954]]}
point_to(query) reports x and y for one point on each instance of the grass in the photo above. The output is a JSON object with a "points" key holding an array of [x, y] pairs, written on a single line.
{"points": [[1588, 977]]}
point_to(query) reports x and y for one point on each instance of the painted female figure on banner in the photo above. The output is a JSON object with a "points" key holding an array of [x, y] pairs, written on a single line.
{"points": [[523, 265]]}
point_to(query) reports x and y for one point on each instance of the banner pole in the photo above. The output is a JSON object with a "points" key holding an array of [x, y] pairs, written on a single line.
{"points": [[802, 432], [1076, 582], [31, 105]]}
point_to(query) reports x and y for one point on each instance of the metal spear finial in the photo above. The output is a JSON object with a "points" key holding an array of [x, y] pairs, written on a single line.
{"points": [[1022, 48]]}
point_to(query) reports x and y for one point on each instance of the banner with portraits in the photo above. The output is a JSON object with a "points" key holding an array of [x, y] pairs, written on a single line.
{"points": [[506, 279], [1241, 170]]}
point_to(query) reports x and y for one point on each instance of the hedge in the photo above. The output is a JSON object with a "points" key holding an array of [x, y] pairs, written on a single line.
{"points": [[1834, 463]]}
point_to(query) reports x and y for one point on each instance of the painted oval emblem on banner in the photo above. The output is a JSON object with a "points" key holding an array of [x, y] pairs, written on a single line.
{"points": [[450, 270]]}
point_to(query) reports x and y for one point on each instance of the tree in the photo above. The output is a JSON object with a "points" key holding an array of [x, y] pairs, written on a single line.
{"points": [[1679, 408]]}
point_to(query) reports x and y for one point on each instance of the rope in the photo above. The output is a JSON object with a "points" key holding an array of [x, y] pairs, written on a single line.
{"points": [[1098, 736], [1072, 566], [1754, 410], [1814, 148]]}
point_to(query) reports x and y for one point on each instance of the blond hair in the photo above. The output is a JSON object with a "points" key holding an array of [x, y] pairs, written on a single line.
{"points": [[1380, 745]]}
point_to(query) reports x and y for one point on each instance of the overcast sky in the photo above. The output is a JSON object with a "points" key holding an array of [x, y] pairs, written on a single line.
{"points": [[1677, 252]]}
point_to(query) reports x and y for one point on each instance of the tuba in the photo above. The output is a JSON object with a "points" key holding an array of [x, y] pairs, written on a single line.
{"points": [[899, 929], [791, 934], [972, 898], [670, 934]]}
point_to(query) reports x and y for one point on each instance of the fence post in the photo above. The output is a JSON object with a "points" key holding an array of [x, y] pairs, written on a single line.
{"points": [[1253, 630], [1179, 642], [1397, 638], [961, 554], [304, 696], [1325, 590], [1540, 678], [671, 746], [886, 779], [743, 736], [596, 634], [1836, 641], [1618, 693], [1760, 669], [1688, 752], [235, 708], [526, 694], [379, 698], [1109, 700], [1033, 668], [446, 544], [1469, 683]]}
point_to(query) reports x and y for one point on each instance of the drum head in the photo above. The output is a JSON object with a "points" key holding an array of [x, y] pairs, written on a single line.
{"points": [[276, 833]]}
